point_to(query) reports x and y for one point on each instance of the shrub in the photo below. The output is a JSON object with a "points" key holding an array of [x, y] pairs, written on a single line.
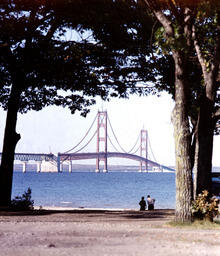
{"points": [[24, 202], [205, 207]]}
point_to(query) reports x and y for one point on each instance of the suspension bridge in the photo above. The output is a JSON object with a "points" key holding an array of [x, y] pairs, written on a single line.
{"points": [[103, 139]]}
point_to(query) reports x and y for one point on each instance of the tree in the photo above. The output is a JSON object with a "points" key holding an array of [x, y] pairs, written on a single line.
{"points": [[39, 66], [180, 113], [206, 39], [182, 24]]}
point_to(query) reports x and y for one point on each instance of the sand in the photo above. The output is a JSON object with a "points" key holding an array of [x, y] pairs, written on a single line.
{"points": [[102, 233]]}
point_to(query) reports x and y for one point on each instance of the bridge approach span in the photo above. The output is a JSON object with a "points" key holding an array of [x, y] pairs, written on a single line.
{"points": [[33, 156], [101, 155]]}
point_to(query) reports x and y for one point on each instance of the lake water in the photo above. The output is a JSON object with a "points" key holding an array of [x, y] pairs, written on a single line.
{"points": [[96, 190]]}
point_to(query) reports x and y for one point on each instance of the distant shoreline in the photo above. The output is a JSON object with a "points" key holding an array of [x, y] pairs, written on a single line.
{"points": [[85, 209], [32, 167], [60, 208]]}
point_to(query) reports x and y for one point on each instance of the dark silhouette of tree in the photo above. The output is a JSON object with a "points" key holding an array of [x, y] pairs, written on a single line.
{"points": [[65, 53], [190, 33]]}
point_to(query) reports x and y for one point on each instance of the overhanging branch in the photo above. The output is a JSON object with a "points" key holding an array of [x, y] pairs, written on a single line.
{"points": [[217, 114], [216, 58], [199, 52], [162, 18]]}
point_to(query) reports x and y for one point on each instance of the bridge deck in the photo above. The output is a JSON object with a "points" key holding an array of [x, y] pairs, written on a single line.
{"points": [[81, 156], [102, 155], [33, 156]]}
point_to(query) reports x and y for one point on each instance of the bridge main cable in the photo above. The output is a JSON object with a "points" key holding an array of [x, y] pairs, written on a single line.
{"points": [[80, 148], [86, 143], [152, 151], [83, 137], [118, 141], [129, 152], [135, 146]]}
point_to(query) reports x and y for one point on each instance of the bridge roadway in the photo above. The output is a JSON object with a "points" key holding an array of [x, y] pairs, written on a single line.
{"points": [[101, 155], [33, 156], [80, 156]]}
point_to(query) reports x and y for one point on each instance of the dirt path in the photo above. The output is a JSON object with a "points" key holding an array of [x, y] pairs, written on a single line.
{"points": [[100, 233]]}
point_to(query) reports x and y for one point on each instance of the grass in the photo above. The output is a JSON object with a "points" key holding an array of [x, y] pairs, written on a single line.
{"points": [[198, 224]]}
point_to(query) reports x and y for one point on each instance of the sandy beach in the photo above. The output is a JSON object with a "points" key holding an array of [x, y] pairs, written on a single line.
{"points": [[91, 232]]}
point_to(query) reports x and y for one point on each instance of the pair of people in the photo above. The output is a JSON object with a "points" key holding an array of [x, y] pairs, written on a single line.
{"points": [[150, 203]]}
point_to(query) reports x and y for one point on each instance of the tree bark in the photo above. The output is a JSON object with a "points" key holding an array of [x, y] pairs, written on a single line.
{"points": [[206, 120], [182, 144], [203, 166], [205, 147], [182, 134], [196, 161], [10, 140]]}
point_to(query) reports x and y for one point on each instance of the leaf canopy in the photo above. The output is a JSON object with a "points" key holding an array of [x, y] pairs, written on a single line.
{"points": [[68, 52]]}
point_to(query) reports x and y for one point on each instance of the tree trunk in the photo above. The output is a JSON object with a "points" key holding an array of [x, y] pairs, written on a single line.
{"points": [[182, 144], [196, 161], [10, 140], [203, 167], [206, 122]]}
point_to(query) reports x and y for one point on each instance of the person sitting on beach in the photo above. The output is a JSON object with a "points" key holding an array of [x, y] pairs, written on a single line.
{"points": [[142, 204], [150, 203]]}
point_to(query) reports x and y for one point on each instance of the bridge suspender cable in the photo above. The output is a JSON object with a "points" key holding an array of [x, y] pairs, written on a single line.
{"points": [[136, 151], [119, 143], [113, 144], [86, 143], [135, 145], [129, 152], [115, 136], [151, 150], [83, 137], [82, 147]]}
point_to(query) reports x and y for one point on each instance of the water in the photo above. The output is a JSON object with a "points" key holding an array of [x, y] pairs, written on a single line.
{"points": [[96, 190]]}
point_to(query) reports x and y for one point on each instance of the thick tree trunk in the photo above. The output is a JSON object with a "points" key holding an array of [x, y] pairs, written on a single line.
{"points": [[183, 166], [203, 166], [10, 140], [182, 144], [206, 123], [195, 166]]}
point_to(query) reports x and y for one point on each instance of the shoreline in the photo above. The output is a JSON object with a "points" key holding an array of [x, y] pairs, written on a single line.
{"points": [[61, 208]]}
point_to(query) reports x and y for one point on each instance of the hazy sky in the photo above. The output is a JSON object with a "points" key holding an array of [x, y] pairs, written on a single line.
{"points": [[56, 130]]}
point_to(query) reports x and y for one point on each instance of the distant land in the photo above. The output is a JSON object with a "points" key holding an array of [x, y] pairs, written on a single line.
{"points": [[82, 167], [216, 169], [92, 167]]}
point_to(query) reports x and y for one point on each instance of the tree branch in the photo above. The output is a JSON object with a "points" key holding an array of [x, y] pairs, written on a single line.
{"points": [[217, 114], [51, 31], [199, 52], [177, 13], [216, 57], [162, 18], [217, 126], [151, 39], [188, 17]]}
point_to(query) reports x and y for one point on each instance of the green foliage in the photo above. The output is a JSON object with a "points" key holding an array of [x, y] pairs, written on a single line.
{"points": [[204, 207], [23, 203], [67, 52]]}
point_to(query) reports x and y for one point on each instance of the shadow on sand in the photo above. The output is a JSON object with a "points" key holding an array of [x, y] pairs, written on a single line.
{"points": [[131, 214]]}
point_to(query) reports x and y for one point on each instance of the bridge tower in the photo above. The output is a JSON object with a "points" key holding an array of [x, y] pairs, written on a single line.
{"points": [[101, 140], [143, 150]]}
